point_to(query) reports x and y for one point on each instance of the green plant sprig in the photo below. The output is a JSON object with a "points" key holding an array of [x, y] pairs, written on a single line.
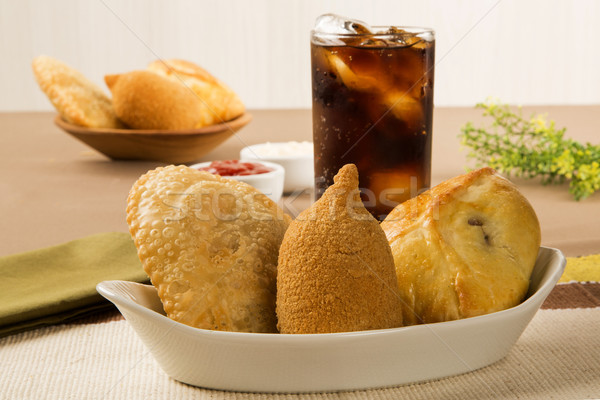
{"points": [[532, 148]]}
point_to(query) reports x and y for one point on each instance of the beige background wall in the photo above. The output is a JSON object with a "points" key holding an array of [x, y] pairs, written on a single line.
{"points": [[525, 52]]}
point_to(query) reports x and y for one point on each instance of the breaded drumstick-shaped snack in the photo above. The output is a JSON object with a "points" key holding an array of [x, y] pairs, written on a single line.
{"points": [[210, 247], [145, 100], [336, 270]]}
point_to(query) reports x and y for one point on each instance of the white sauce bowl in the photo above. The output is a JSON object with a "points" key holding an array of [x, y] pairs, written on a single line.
{"points": [[299, 168]]}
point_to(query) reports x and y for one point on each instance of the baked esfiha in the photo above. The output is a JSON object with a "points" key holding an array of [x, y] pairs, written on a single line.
{"points": [[218, 102], [466, 247], [210, 247]]}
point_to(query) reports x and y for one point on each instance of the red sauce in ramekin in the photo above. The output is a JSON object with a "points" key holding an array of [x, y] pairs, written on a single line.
{"points": [[236, 168]]}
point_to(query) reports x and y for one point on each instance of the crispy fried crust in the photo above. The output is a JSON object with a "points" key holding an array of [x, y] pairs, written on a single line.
{"points": [[336, 271], [78, 100], [219, 102], [466, 247], [210, 247]]}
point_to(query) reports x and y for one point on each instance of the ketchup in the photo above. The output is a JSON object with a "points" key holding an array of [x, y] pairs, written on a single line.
{"points": [[236, 168]]}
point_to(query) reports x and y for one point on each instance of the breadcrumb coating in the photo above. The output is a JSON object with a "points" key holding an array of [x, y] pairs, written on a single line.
{"points": [[336, 270]]}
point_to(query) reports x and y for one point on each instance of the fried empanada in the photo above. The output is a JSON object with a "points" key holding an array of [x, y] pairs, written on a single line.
{"points": [[336, 271], [219, 102], [466, 247], [77, 99], [210, 247]]}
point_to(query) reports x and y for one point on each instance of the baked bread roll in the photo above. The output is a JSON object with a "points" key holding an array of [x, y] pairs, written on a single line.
{"points": [[77, 99], [336, 272], [210, 247], [466, 247], [145, 100], [218, 102]]}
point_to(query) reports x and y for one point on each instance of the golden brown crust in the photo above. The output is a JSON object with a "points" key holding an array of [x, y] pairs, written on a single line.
{"points": [[210, 247], [219, 102], [464, 248], [144, 100], [77, 99], [336, 271]]}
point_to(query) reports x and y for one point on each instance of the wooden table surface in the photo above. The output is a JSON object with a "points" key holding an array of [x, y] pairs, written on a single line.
{"points": [[54, 188]]}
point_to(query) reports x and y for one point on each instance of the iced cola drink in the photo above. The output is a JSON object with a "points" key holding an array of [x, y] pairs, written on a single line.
{"points": [[372, 91]]}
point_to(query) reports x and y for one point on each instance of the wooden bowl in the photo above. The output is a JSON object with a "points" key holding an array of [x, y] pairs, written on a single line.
{"points": [[154, 145]]}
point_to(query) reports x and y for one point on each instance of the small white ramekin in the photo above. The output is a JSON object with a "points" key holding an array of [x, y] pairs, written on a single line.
{"points": [[270, 183], [299, 169]]}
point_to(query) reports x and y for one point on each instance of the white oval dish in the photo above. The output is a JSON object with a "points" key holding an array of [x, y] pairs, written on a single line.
{"points": [[270, 183], [299, 168], [255, 362]]}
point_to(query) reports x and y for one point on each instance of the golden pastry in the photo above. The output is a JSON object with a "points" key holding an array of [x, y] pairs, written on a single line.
{"points": [[219, 102], [144, 100], [336, 271], [77, 99], [210, 247], [466, 247]]}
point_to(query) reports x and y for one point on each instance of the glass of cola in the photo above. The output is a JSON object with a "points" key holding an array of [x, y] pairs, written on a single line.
{"points": [[372, 92]]}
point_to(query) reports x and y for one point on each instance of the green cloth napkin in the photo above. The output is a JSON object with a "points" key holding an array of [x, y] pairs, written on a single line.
{"points": [[58, 283]]}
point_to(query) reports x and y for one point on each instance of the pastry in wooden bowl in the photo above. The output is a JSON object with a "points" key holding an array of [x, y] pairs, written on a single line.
{"points": [[218, 102], [210, 247], [466, 247], [174, 147], [336, 272], [145, 100], [77, 99]]}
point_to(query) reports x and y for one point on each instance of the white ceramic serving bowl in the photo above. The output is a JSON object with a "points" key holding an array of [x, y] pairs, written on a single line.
{"points": [[299, 169], [270, 183], [258, 362]]}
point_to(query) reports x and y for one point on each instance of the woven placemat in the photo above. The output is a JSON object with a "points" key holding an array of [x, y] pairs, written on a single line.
{"points": [[557, 357], [573, 295]]}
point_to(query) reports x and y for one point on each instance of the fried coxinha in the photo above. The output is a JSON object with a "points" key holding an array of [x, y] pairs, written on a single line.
{"points": [[336, 270]]}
